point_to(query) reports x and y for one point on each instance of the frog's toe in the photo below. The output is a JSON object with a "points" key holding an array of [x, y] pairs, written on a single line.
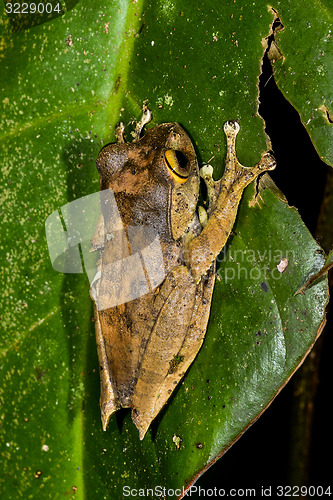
{"points": [[120, 132], [107, 410], [146, 118], [141, 421], [203, 217], [206, 172], [231, 128], [267, 161]]}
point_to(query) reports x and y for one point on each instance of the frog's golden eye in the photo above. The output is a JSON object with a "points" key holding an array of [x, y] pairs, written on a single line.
{"points": [[177, 164]]}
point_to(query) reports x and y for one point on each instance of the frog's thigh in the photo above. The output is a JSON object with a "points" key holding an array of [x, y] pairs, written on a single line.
{"points": [[175, 340], [193, 340], [108, 401]]}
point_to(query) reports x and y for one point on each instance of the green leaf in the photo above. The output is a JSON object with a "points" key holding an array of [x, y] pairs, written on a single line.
{"points": [[60, 101], [328, 265], [304, 73]]}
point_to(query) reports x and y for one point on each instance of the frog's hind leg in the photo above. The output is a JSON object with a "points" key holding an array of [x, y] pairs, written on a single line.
{"points": [[192, 342], [108, 400], [172, 311], [176, 338]]}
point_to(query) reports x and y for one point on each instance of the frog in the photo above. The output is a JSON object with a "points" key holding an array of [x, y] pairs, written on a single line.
{"points": [[146, 345]]}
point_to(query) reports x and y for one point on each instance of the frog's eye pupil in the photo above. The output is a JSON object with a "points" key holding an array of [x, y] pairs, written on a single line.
{"points": [[182, 160], [177, 164]]}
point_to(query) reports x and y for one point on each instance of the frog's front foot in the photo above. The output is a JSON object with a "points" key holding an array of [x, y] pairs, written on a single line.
{"points": [[231, 128], [146, 118], [206, 173], [267, 161], [224, 197], [235, 171], [120, 132]]}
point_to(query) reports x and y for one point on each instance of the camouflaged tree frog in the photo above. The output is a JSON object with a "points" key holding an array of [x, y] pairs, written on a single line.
{"points": [[146, 345]]}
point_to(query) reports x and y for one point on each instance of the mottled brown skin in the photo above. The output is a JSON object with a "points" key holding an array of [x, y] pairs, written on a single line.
{"points": [[146, 345]]}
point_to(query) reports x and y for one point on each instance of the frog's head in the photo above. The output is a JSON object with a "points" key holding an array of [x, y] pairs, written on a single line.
{"points": [[154, 177], [178, 165]]}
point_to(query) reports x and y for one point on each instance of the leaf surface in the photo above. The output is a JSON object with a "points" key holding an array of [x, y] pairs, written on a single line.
{"points": [[74, 76]]}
